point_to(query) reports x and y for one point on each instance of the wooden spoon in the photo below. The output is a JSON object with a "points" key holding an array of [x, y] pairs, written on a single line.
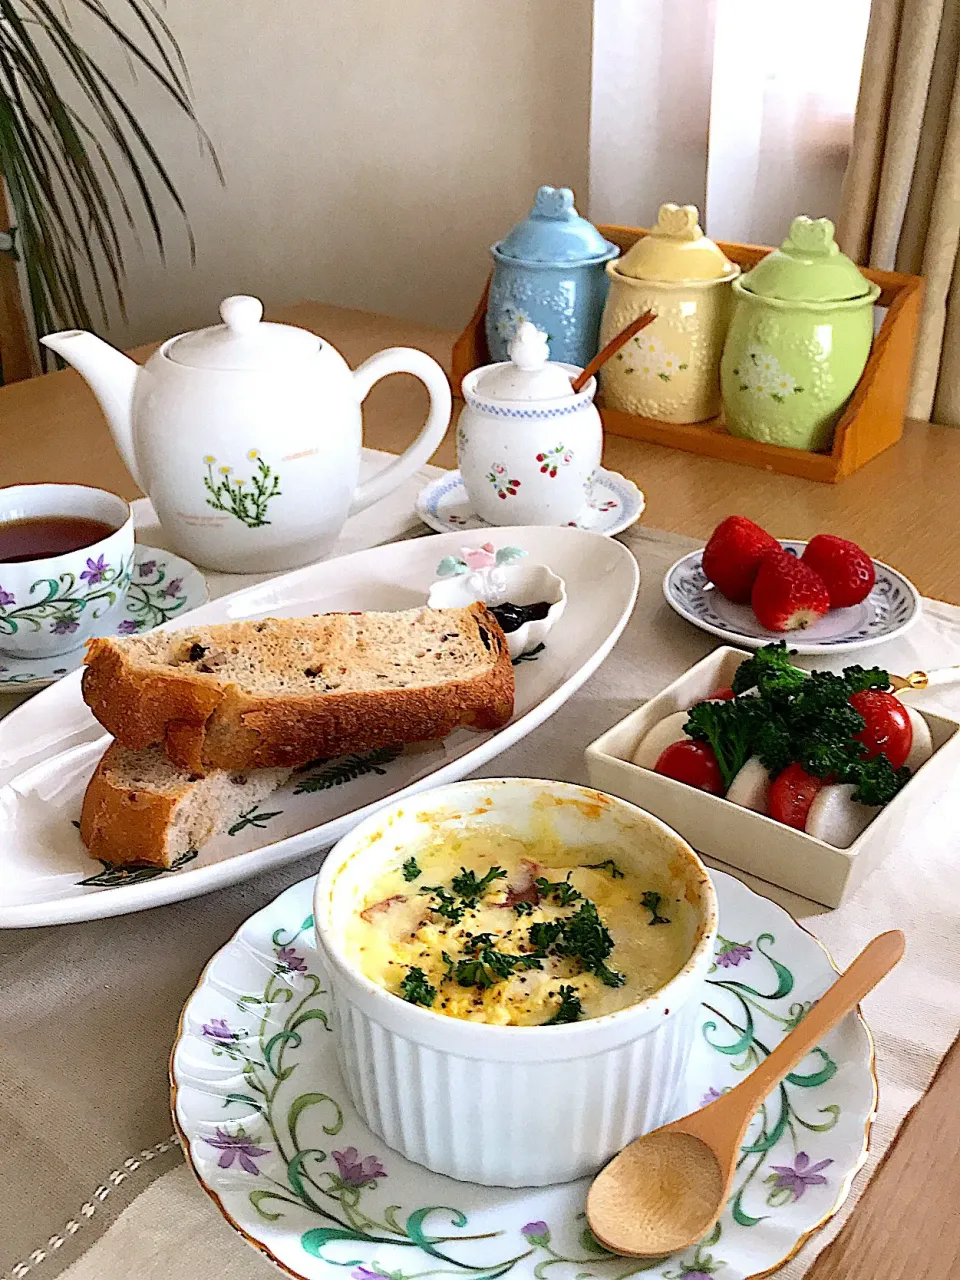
{"points": [[667, 1189], [611, 349]]}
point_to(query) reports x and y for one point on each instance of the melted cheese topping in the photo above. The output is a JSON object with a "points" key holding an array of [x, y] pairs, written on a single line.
{"points": [[398, 929]]}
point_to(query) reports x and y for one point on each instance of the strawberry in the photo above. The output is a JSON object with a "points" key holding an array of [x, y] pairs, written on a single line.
{"points": [[846, 569], [787, 594], [732, 557]]}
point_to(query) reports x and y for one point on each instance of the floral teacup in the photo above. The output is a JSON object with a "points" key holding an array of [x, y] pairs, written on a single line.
{"points": [[48, 606]]}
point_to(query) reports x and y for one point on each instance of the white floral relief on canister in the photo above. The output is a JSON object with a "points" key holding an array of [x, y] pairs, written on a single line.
{"points": [[652, 359], [761, 373]]}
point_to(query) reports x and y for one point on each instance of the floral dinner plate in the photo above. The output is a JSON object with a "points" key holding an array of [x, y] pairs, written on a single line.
{"points": [[269, 1131], [891, 608], [162, 587], [616, 504]]}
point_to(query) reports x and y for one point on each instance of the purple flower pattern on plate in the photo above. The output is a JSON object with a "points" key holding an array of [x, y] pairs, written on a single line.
{"points": [[172, 587], [146, 567], [536, 1232], [128, 627], [217, 1029], [711, 1095], [64, 626], [357, 1170], [95, 570], [236, 1146], [288, 959], [6, 597], [729, 954], [798, 1176]]}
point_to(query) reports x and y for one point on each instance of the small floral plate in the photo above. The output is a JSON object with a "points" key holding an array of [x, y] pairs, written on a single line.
{"points": [[269, 1131], [891, 608], [616, 504], [162, 587]]}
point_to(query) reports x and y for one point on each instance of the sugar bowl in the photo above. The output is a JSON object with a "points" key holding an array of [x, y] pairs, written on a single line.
{"points": [[550, 270], [798, 342], [528, 446], [671, 370]]}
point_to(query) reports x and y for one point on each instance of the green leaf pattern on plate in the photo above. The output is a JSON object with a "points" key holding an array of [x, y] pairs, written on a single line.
{"points": [[340, 1187]]}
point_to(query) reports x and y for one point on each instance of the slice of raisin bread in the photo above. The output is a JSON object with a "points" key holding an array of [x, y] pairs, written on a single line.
{"points": [[141, 809], [285, 691]]}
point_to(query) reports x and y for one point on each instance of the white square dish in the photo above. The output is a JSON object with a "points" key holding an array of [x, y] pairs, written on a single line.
{"points": [[751, 841]]}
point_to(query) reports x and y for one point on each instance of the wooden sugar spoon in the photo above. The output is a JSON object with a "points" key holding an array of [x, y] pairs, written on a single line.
{"points": [[667, 1189], [611, 349]]}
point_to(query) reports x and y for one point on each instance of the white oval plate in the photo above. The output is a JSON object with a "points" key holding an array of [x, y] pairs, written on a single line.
{"points": [[163, 587], [268, 1128], [50, 746], [617, 504], [891, 608]]}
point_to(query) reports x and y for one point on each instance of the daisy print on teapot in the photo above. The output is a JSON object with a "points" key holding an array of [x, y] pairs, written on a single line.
{"points": [[527, 446]]}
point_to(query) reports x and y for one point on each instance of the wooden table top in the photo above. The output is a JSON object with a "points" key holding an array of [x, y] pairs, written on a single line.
{"points": [[902, 507]]}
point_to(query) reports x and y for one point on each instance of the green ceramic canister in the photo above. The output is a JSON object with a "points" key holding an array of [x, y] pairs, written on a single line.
{"points": [[800, 336]]}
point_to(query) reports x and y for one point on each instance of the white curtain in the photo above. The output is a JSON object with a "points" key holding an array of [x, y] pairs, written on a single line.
{"points": [[742, 107]]}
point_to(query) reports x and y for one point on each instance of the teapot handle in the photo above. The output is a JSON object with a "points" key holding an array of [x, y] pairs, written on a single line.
{"points": [[422, 366]]}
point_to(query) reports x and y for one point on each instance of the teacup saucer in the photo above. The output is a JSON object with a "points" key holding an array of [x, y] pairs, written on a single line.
{"points": [[617, 504], [163, 586]]}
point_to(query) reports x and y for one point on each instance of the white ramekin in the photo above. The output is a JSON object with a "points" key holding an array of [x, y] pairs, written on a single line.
{"points": [[511, 1106]]}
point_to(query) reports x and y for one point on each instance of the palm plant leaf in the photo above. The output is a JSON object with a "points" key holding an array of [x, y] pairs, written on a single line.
{"points": [[68, 167]]}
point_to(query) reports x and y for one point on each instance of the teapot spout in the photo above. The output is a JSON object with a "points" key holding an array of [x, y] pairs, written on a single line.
{"points": [[112, 377]]}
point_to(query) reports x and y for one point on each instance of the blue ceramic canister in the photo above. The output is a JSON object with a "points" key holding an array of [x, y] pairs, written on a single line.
{"points": [[550, 270]]}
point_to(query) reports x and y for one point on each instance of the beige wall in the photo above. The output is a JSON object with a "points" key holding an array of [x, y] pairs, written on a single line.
{"points": [[372, 149]]}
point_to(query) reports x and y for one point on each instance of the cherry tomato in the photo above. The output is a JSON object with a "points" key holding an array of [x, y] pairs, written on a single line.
{"points": [[888, 730], [792, 792], [721, 695], [693, 763]]}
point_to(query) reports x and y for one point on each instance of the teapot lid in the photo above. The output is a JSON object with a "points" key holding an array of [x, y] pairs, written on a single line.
{"points": [[529, 374], [808, 267], [553, 232], [676, 249], [244, 341]]}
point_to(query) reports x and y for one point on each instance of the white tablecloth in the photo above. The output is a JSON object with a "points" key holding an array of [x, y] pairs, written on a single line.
{"points": [[94, 1180]]}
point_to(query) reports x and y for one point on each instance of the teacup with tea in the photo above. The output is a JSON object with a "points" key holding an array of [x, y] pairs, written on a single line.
{"points": [[66, 556]]}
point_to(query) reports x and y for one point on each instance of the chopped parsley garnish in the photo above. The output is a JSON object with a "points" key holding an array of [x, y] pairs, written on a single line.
{"points": [[570, 1008], [652, 901], [467, 886], [581, 936], [561, 891], [444, 904], [523, 907], [791, 717], [417, 989], [411, 870], [486, 965], [607, 865]]}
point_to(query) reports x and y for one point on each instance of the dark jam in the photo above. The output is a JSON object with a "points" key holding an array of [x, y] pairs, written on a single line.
{"points": [[513, 616]]}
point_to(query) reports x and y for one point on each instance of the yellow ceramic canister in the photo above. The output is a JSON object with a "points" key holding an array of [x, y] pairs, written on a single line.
{"points": [[671, 369]]}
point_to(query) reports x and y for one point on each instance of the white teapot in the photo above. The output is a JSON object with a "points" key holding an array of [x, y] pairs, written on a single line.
{"points": [[246, 436]]}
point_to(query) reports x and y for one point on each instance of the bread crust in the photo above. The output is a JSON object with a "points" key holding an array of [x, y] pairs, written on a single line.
{"points": [[203, 723], [125, 827]]}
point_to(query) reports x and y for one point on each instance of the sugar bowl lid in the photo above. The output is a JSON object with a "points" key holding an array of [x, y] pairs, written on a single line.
{"points": [[676, 249], [529, 374], [808, 267], [244, 341], [553, 232]]}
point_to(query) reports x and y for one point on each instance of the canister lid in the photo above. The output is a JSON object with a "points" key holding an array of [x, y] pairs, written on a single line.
{"points": [[676, 250], [529, 374], [808, 267], [553, 232]]}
